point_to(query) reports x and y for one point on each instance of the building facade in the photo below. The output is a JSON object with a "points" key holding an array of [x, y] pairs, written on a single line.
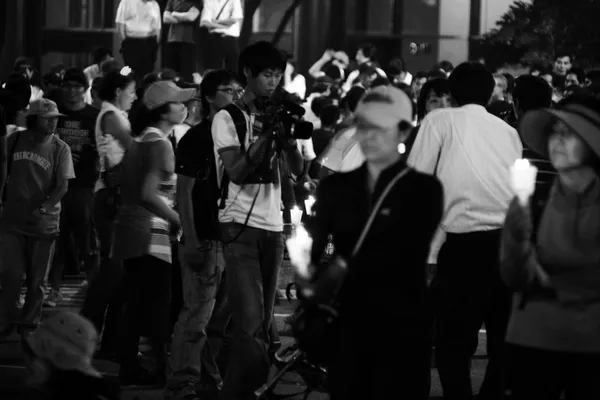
{"points": [[65, 31]]}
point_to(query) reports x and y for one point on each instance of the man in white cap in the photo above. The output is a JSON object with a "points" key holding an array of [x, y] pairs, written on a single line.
{"points": [[39, 168]]}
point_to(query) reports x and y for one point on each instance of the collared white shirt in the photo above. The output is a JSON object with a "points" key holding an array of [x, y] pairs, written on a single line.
{"points": [[470, 151], [231, 9], [141, 18]]}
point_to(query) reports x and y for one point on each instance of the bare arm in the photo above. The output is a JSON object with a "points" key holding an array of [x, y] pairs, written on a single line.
{"points": [[315, 70], [189, 16], [213, 25], [113, 125], [168, 18], [64, 173], [121, 30], [294, 159], [162, 160]]}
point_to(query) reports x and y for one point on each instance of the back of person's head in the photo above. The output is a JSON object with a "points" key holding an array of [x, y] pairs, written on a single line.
{"points": [[100, 54], [22, 62], [168, 74], [112, 83], [15, 96], [396, 67], [380, 81], [439, 86], [353, 97], [368, 50], [436, 73], [531, 93], [593, 76], [318, 103], [510, 81], [109, 65], [471, 83], [329, 115], [446, 66], [259, 57], [333, 71], [210, 85], [579, 73]]}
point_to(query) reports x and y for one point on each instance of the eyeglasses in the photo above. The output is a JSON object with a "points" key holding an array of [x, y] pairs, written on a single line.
{"points": [[232, 91]]}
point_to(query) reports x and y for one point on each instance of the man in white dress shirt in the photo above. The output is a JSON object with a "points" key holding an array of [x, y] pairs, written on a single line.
{"points": [[470, 151], [223, 19], [139, 24]]}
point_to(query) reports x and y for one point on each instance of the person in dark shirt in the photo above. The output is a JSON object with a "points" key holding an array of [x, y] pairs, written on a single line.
{"points": [[76, 128], [532, 93], [200, 251], [329, 117]]}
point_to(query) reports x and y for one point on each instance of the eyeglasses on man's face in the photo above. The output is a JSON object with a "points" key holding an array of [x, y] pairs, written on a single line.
{"points": [[232, 91]]}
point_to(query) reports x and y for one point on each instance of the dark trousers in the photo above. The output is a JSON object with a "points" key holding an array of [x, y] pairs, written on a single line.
{"points": [[252, 264], [181, 57], [221, 52], [358, 371], [73, 247], [140, 55], [468, 291], [147, 304], [104, 301], [545, 375]]}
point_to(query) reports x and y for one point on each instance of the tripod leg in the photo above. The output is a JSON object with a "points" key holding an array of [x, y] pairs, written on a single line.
{"points": [[268, 387]]}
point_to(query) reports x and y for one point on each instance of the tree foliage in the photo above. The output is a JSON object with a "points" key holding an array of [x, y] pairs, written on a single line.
{"points": [[542, 29]]}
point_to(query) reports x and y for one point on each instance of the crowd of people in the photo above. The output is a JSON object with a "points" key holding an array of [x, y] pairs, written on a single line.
{"points": [[172, 196]]}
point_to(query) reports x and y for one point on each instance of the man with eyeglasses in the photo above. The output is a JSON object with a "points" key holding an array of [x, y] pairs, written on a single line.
{"points": [[76, 128], [204, 316]]}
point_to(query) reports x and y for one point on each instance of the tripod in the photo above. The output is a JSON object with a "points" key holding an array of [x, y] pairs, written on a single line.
{"points": [[290, 359]]}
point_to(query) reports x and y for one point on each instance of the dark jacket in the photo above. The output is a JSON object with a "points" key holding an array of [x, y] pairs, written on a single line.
{"points": [[388, 276]]}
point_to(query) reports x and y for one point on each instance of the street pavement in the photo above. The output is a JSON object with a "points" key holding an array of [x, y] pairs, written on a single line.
{"points": [[12, 371]]}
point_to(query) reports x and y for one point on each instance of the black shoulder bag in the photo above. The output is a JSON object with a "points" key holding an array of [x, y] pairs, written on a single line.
{"points": [[316, 319]]}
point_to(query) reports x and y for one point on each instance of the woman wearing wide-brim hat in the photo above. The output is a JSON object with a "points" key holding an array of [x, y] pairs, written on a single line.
{"points": [[554, 329]]}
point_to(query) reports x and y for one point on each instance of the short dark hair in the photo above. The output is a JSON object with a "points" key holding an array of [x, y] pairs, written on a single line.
{"points": [[531, 93], [353, 97], [211, 82], [396, 66], [329, 115], [439, 86], [99, 53], [436, 73], [31, 122], [318, 103], [368, 49], [420, 75], [258, 57], [446, 66], [112, 81], [562, 54], [471, 83]]}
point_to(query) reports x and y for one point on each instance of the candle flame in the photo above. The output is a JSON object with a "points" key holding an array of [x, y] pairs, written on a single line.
{"points": [[522, 163]]}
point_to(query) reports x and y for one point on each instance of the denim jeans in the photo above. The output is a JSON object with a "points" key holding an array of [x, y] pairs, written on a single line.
{"points": [[252, 264], [192, 351], [20, 254]]}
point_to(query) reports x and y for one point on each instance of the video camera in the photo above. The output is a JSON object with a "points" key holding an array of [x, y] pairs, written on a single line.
{"points": [[280, 121]]}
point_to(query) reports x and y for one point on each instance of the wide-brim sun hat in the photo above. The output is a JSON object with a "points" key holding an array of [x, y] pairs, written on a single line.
{"points": [[535, 126], [163, 92]]}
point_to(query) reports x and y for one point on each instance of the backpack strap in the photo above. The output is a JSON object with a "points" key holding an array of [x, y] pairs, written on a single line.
{"points": [[241, 127]]}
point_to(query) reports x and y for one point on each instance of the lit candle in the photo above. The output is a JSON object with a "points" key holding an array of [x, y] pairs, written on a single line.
{"points": [[523, 176], [308, 204], [296, 215], [299, 246]]}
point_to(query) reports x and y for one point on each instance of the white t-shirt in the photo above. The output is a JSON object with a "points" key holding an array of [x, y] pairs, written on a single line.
{"points": [[141, 18], [220, 10], [110, 151], [266, 213]]}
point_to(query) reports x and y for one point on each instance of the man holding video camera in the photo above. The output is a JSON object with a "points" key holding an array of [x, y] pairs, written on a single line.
{"points": [[253, 141]]}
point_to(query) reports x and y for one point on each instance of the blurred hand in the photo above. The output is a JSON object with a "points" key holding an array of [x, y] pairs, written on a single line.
{"points": [[257, 151], [518, 221]]}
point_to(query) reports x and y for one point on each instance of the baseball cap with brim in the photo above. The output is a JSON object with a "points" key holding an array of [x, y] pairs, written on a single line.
{"points": [[163, 92], [535, 126], [44, 108], [67, 341], [385, 106]]}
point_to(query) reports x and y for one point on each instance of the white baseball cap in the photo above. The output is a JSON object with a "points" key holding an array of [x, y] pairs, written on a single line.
{"points": [[385, 106]]}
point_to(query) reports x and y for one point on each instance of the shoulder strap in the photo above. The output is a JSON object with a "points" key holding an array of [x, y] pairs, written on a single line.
{"points": [[375, 211], [239, 120], [222, 9]]}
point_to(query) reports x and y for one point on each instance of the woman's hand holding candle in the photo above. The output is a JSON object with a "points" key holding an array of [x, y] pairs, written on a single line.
{"points": [[523, 176], [299, 246], [308, 204]]}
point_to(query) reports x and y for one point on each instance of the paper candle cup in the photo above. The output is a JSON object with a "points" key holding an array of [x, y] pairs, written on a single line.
{"points": [[523, 177], [296, 216], [308, 204]]}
